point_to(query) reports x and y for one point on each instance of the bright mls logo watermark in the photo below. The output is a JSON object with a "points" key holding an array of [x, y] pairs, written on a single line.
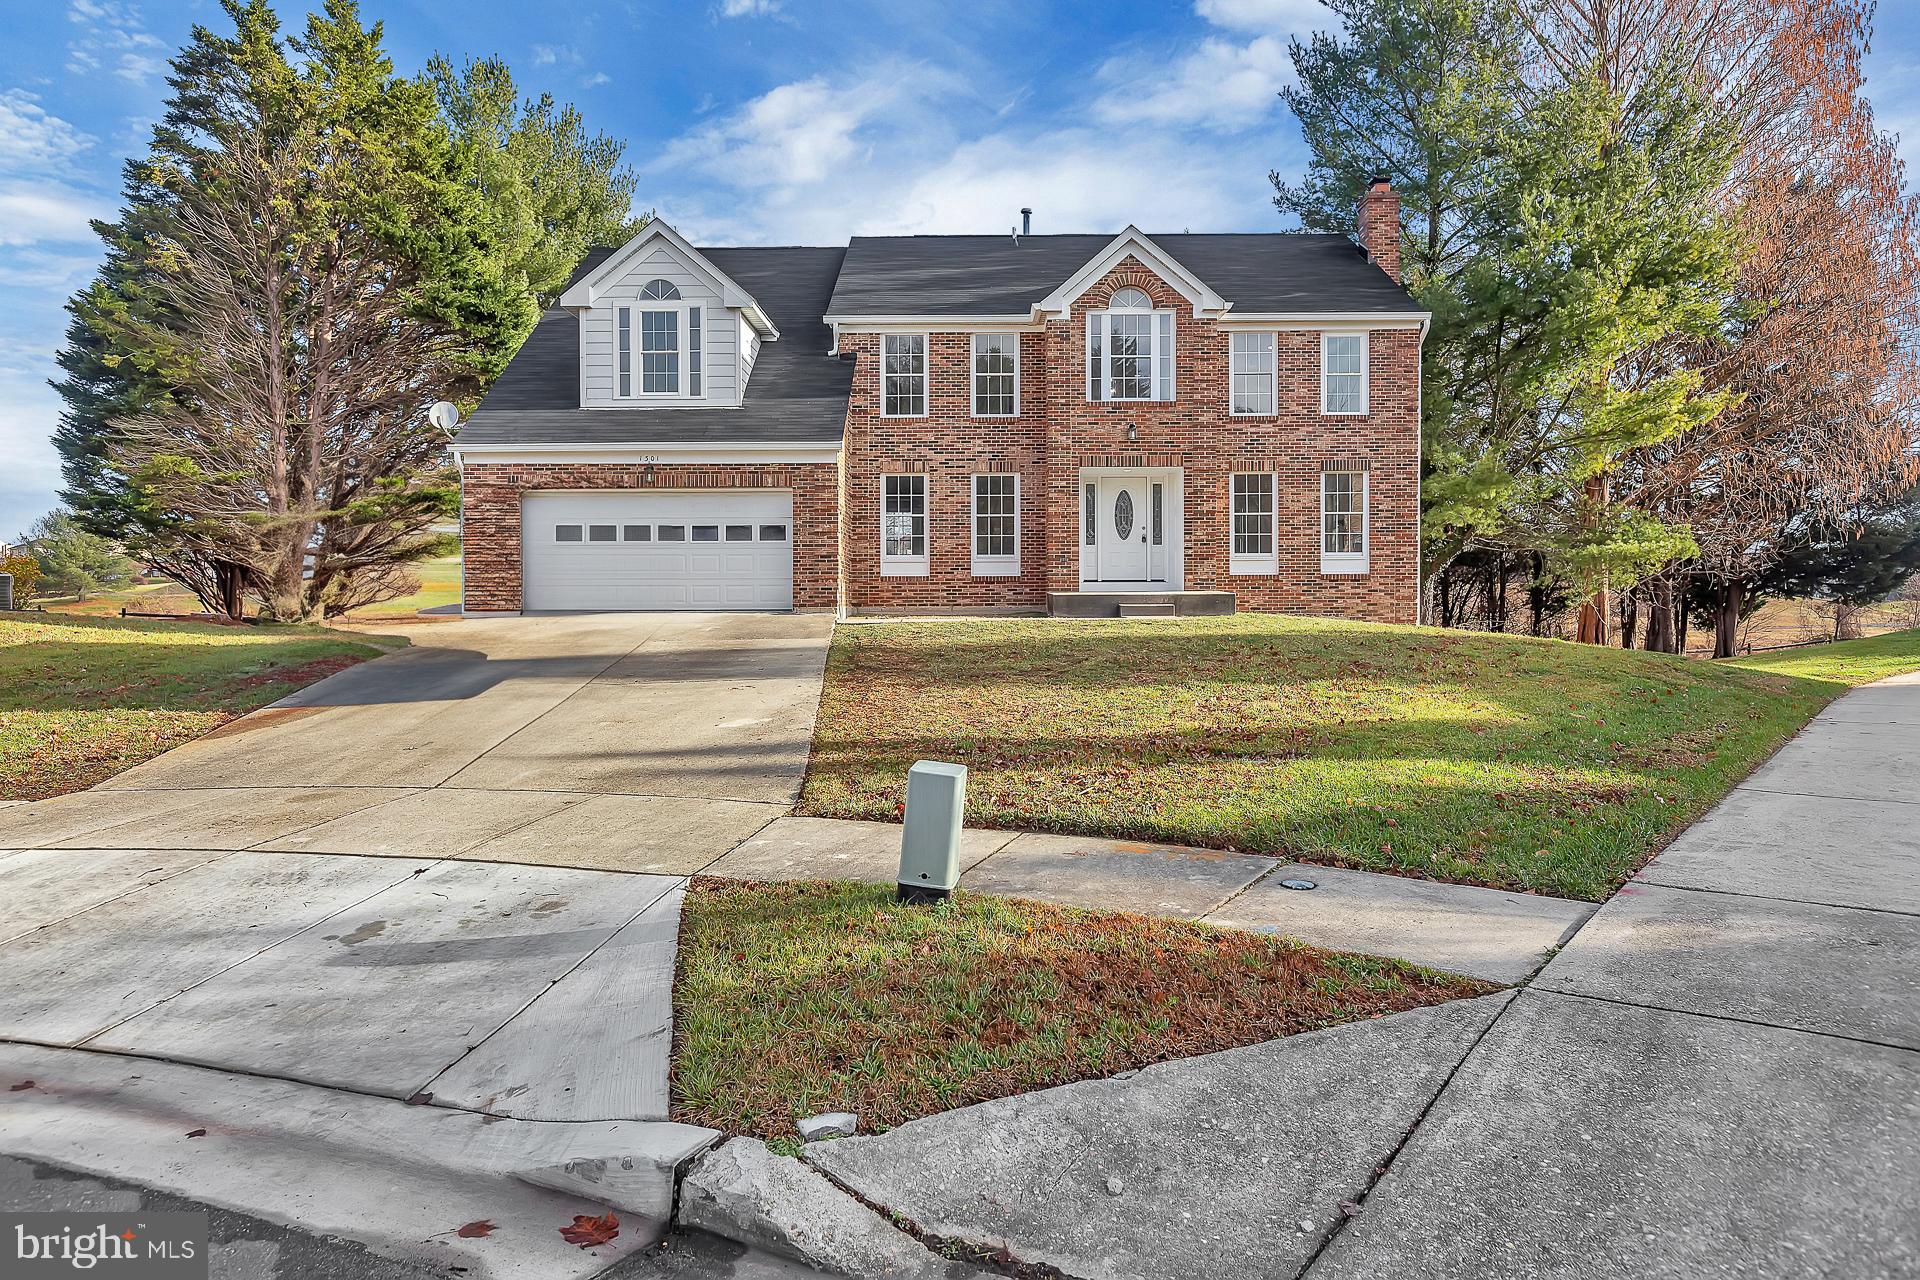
{"points": [[138, 1246]]}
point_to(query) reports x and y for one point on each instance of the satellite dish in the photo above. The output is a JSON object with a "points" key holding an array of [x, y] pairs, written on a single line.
{"points": [[444, 416]]}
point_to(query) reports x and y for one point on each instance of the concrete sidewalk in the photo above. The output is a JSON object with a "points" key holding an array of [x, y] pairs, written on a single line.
{"points": [[1486, 933], [1717, 1077]]}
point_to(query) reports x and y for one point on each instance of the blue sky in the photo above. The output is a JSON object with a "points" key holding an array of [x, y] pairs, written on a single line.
{"points": [[750, 121]]}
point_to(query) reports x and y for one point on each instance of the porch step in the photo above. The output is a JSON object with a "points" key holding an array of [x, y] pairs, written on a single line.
{"points": [[1139, 604]]}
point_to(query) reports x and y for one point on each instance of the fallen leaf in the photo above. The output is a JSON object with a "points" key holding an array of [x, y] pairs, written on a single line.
{"points": [[24, 1084], [588, 1232], [196, 1133], [420, 1099], [476, 1230]]}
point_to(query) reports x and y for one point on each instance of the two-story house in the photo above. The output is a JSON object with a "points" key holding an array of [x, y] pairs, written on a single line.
{"points": [[973, 423]]}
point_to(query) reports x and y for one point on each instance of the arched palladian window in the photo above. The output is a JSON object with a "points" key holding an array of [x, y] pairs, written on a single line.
{"points": [[665, 335], [1130, 349]]}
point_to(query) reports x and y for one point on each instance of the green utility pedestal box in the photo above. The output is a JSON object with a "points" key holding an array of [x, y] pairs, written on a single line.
{"points": [[930, 835]]}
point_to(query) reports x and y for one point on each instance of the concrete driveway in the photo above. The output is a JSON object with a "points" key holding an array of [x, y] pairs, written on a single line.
{"points": [[632, 742]]}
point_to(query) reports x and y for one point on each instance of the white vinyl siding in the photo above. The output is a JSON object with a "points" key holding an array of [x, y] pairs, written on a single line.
{"points": [[1254, 544], [1343, 522], [996, 525], [996, 375], [903, 375], [720, 335], [1343, 373], [903, 525], [1255, 389]]}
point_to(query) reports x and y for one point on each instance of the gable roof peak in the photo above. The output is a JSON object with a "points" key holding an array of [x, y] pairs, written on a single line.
{"points": [[1133, 242], [586, 291]]}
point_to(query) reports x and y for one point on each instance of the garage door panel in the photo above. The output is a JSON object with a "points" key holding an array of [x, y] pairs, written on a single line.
{"points": [[639, 551]]}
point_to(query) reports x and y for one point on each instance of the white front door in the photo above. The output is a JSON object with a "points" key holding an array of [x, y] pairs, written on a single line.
{"points": [[1121, 529]]}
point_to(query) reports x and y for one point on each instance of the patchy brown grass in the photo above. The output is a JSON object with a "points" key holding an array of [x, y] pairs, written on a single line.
{"points": [[794, 999]]}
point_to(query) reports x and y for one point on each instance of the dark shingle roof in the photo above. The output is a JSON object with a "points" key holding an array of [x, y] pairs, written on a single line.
{"points": [[997, 276], [797, 395]]}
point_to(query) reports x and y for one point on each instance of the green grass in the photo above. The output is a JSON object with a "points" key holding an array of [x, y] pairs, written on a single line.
{"points": [[83, 698], [439, 585], [1522, 764], [795, 999]]}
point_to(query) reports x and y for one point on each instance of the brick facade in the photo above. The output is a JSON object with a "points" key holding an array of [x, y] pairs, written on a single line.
{"points": [[491, 493], [1059, 432], [836, 509]]}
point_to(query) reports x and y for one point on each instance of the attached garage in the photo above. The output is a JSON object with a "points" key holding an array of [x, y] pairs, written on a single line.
{"points": [[689, 549]]}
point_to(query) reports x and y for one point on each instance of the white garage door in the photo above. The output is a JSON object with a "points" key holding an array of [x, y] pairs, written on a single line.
{"points": [[681, 550]]}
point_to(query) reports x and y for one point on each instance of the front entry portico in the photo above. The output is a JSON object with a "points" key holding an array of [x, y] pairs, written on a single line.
{"points": [[1130, 529]]}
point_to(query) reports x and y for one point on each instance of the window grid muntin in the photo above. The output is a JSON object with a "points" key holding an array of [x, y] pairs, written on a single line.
{"points": [[659, 353], [693, 351], [1252, 363], [903, 380], [623, 344], [903, 517], [1343, 373], [1253, 512], [1343, 513], [996, 371], [996, 531]]}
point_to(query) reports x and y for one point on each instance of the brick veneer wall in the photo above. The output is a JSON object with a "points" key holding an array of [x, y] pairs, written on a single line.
{"points": [[491, 493], [1060, 431]]}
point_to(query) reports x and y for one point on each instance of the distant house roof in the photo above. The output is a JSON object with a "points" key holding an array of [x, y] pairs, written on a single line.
{"points": [[1259, 273], [798, 393]]}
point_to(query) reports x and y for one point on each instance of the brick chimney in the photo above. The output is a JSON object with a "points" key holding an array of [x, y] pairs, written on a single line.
{"points": [[1380, 225]]}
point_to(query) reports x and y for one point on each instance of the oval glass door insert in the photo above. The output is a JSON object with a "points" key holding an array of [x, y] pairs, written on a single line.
{"points": [[1123, 514]]}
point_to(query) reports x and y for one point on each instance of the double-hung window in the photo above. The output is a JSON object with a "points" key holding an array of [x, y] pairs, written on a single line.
{"points": [[660, 339], [1343, 373], [903, 525], [996, 525], [996, 375], [1130, 349], [903, 375], [1343, 522], [1253, 524], [1252, 368]]}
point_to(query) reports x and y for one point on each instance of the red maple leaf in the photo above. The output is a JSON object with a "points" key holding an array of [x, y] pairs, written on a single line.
{"points": [[476, 1230], [588, 1232]]}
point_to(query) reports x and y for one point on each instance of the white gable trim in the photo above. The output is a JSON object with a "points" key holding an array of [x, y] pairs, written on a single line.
{"points": [[1135, 242], [585, 292]]}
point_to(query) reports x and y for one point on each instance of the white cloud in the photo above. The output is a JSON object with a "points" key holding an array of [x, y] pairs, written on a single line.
{"points": [[30, 138], [112, 33], [799, 134], [1288, 16], [547, 55], [749, 8], [29, 467], [32, 213], [1218, 84], [597, 79], [57, 273]]}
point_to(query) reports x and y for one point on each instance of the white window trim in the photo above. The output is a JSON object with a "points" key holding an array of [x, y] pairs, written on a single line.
{"points": [[1267, 563], [926, 374], [1273, 377], [992, 566], [973, 375], [1156, 394], [1348, 562], [1366, 373], [892, 566], [636, 378]]}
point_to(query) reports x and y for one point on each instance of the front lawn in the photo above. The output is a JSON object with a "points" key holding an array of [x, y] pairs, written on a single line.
{"points": [[1496, 760], [794, 999], [82, 698]]}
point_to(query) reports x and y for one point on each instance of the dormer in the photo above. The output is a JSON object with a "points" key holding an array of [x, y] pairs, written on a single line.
{"points": [[660, 326]]}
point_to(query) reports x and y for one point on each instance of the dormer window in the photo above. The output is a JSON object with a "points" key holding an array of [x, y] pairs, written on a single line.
{"points": [[666, 335], [1130, 349]]}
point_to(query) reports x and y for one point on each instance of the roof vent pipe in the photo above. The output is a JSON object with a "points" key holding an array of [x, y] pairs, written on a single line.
{"points": [[1026, 222]]}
